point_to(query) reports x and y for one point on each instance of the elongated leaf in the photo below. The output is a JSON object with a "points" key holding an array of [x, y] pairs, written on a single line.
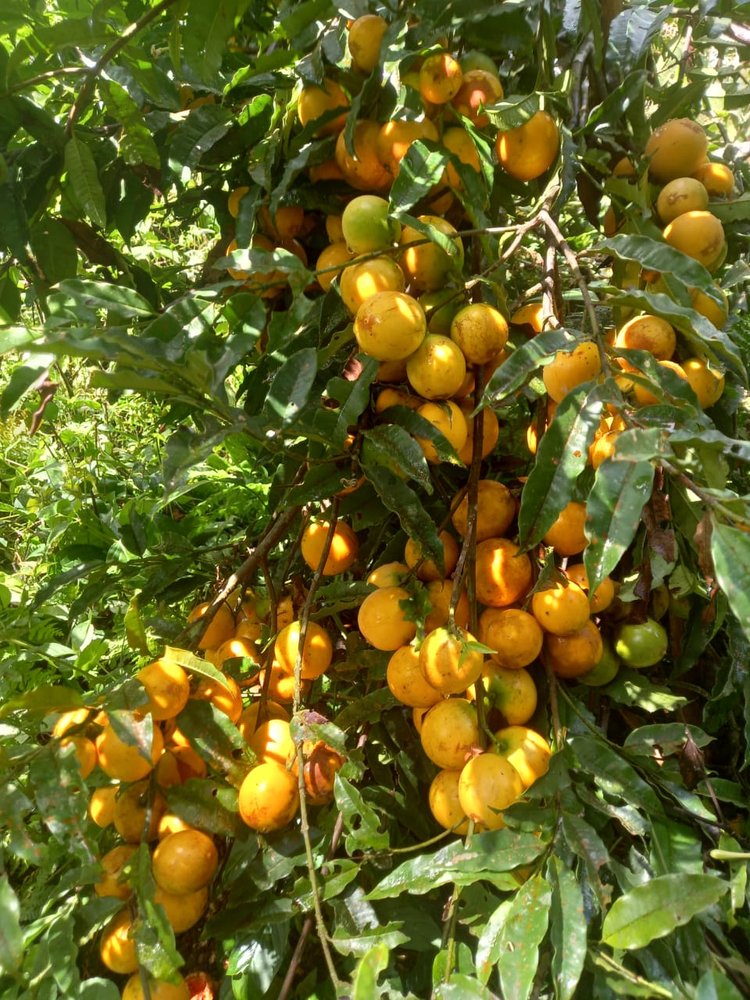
{"points": [[291, 388], [614, 774], [396, 450], [567, 929], [133, 731], [512, 111], [207, 805], [714, 985], [632, 30], [361, 821], [658, 256], [675, 848], [54, 249], [83, 177], [11, 937], [522, 933], [613, 511], [207, 28], [367, 973], [391, 936], [525, 360], [419, 171], [404, 502], [43, 700], [100, 295], [584, 841], [561, 457], [653, 910], [256, 959], [216, 738], [737, 210], [490, 941], [730, 551]]}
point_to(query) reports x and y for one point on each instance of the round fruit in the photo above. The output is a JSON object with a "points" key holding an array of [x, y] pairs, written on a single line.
{"points": [[269, 798], [316, 655], [480, 331], [448, 662], [440, 78], [444, 803], [525, 750], [407, 682], [478, 89], [388, 575], [427, 266], [700, 235], [342, 552], [241, 647], [569, 369], [168, 689], [604, 594], [447, 418], [561, 608], [437, 369], [490, 436], [331, 262], [367, 224], [458, 141], [604, 671], [512, 692], [183, 910], [529, 151], [382, 620], [69, 720], [133, 807], [390, 326], [102, 805], [272, 740], [316, 101], [503, 572], [676, 149], [116, 946], [514, 635], [685, 194], [439, 593], [286, 224], [450, 732], [707, 306], [395, 138], [717, 178], [531, 316], [566, 535], [488, 784], [322, 763], [428, 569], [641, 644], [171, 823], [364, 41], [224, 695], [185, 862], [644, 396], [122, 761], [648, 333], [84, 752], [220, 629], [113, 864], [363, 171], [359, 282], [234, 199], [159, 989], [496, 509], [707, 383], [280, 685], [258, 713], [574, 655]]}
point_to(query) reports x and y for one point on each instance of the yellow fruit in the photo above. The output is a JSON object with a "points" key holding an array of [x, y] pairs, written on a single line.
{"points": [[159, 989], [185, 862], [717, 178], [272, 740], [530, 315], [480, 331], [336, 255], [367, 224], [488, 784], [168, 689], [382, 620], [225, 696], [359, 282], [221, 627], [440, 78], [259, 712], [429, 570], [437, 368], [69, 720], [316, 655], [363, 171], [395, 138], [496, 509], [503, 572], [113, 863], [183, 910], [450, 732], [676, 149], [388, 575], [280, 685], [316, 101], [286, 224], [84, 751], [479, 88], [529, 151], [700, 235], [710, 308], [444, 802], [364, 41], [458, 141], [566, 535], [707, 383], [439, 593], [525, 750], [573, 655], [116, 946], [390, 326], [448, 662], [684, 194], [269, 798], [569, 369], [447, 418], [561, 608], [131, 810], [407, 682], [644, 396], [515, 635], [511, 691], [238, 647], [122, 761], [395, 397], [490, 436], [102, 805], [648, 333], [603, 448], [234, 199], [343, 550], [427, 266], [604, 594], [171, 823]]}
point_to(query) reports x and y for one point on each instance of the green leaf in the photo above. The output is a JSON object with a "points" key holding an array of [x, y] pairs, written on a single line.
{"points": [[96, 295], [361, 821], [367, 972], [216, 738], [736, 210], [208, 805], [14, 232], [613, 513], [459, 986], [714, 985], [255, 961], [55, 250], [522, 933], [561, 457], [189, 661], [11, 936], [730, 552], [613, 774], [632, 687], [292, 385], [584, 841], [632, 31], [154, 937], [654, 909], [514, 110], [403, 501], [83, 177], [43, 700], [420, 170], [490, 941], [675, 848], [668, 736], [567, 929], [132, 730], [395, 449], [657, 256], [526, 359], [389, 936], [206, 30]]}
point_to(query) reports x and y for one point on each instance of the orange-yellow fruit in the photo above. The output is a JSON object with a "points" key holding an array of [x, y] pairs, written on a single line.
{"points": [[388, 575], [561, 608], [258, 713], [390, 326], [316, 101], [122, 761], [133, 807], [530, 315], [479, 88], [439, 593], [448, 662], [675, 149], [113, 864], [503, 572], [269, 798], [566, 535], [450, 732], [238, 647], [221, 627], [185, 862], [496, 509], [395, 138], [447, 418], [395, 397], [337, 255], [458, 141], [427, 266], [342, 553], [511, 691], [168, 689], [573, 655], [159, 989], [316, 654], [116, 946], [707, 383], [604, 594], [444, 802], [189, 763], [488, 784], [272, 740], [285, 224], [644, 396], [234, 199], [700, 235], [684, 194], [440, 78], [171, 823], [490, 436], [183, 910], [648, 333], [69, 720], [359, 282], [480, 331], [407, 682], [437, 368], [225, 696], [428, 569], [569, 369], [363, 171], [328, 170], [102, 805], [84, 751], [525, 750], [717, 178], [529, 151], [382, 620], [268, 284], [715, 312], [364, 41], [515, 636]]}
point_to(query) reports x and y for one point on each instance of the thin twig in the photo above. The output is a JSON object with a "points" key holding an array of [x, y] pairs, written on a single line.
{"points": [[49, 74]]}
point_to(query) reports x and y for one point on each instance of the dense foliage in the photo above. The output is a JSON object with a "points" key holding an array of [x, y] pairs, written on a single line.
{"points": [[182, 395]]}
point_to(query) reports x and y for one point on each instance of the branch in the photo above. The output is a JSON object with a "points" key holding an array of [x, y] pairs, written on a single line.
{"points": [[49, 74]]}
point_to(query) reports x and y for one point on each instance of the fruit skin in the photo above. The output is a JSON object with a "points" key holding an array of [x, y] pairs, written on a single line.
{"points": [[512, 692], [440, 78], [490, 435], [449, 732], [272, 740], [604, 594], [390, 326], [479, 87], [698, 234], [641, 644], [644, 396], [367, 224], [458, 141], [364, 41], [428, 267], [315, 101], [529, 151], [220, 629], [515, 635], [439, 597], [706, 383], [342, 553], [684, 194], [84, 752], [382, 621], [717, 178], [560, 608], [444, 802], [710, 308], [224, 695], [480, 331], [675, 149], [395, 138], [525, 750], [647, 333], [503, 572], [447, 418], [269, 798], [569, 369], [437, 369], [167, 686], [388, 575], [185, 862], [102, 805], [121, 760], [496, 508], [116, 946], [363, 171], [604, 671], [333, 255], [574, 655], [113, 862], [429, 570], [359, 282], [447, 662], [406, 681], [566, 535], [316, 654], [488, 784], [184, 910], [132, 807], [158, 988]]}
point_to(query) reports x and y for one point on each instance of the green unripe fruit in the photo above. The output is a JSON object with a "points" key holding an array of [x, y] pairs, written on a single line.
{"points": [[367, 225], [641, 645]]}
